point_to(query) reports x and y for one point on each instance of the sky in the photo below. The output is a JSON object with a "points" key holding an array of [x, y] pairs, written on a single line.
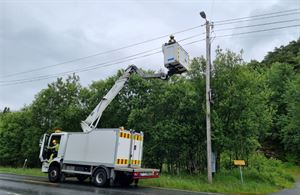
{"points": [[38, 37]]}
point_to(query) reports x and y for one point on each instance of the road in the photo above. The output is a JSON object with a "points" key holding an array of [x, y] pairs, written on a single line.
{"points": [[294, 191], [11, 184]]}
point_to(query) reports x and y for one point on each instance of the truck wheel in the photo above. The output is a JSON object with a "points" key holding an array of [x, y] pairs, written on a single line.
{"points": [[100, 178], [54, 174], [81, 178]]}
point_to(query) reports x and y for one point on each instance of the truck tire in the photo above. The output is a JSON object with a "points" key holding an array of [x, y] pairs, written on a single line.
{"points": [[81, 178], [99, 178], [54, 174]]}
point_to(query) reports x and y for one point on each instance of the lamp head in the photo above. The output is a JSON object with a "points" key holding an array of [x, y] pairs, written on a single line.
{"points": [[203, 15]]}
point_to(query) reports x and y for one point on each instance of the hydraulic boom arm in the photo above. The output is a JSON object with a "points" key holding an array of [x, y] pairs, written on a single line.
{"points": [[93, 119], [175, 60]]}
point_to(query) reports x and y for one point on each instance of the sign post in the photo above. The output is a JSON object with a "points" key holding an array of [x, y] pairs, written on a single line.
{"points": [[240, 163]]}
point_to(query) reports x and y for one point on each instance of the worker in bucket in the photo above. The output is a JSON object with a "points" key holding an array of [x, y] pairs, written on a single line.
{"points": [[55, 148]]}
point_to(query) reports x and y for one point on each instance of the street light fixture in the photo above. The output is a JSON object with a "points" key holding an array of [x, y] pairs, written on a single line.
{"points": [[203, 15]]}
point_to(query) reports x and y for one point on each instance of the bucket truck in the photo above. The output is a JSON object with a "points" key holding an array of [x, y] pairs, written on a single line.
{"points": [[106, 155]]}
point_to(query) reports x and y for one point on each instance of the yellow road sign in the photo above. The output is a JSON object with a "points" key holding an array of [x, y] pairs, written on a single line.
{"points": [[239, 162]]}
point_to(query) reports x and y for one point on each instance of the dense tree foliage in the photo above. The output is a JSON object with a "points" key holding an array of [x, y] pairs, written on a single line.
{"points": [[289, 54], [255, 106]]}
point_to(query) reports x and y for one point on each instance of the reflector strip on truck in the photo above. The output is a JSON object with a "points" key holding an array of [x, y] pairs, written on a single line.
{"points": [[138, 137], [135, 162], [125, 135], [122, 161]]}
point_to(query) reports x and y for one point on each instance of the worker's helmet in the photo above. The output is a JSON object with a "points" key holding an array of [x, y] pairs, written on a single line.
{"points": [[54, 141]]}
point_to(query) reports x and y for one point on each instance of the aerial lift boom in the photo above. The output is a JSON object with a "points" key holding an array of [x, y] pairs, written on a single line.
{"points": [[93, 119], [175, 60]]}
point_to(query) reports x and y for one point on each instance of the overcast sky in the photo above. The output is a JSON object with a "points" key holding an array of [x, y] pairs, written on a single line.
{"points": [[37, 34]]}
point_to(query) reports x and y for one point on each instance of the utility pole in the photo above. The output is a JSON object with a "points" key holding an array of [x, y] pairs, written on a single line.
{"points": [[208, 91]]}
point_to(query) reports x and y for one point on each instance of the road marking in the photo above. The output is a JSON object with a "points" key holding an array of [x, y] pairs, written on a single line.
{"points": [[11, 193]]}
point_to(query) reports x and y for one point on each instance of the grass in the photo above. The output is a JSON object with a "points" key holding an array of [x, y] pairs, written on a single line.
{"points": [[21, 171], [228, 182]]}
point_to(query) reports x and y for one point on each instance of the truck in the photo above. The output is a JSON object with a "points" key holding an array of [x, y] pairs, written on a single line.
{"points": [[105, 155]]}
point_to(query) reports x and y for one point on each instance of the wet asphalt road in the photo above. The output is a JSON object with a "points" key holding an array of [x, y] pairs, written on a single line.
{"points": [[294, 191], [11, 184]]}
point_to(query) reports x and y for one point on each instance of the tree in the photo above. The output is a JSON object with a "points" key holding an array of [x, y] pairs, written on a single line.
{"points": [[240, 110], [13, 130], [278, 78], [289, 54], [291, 127], [59, 105]]}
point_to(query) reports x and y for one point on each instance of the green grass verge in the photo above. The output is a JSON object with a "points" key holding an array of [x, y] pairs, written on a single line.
{"points": [[21, 171], [229, 182]]}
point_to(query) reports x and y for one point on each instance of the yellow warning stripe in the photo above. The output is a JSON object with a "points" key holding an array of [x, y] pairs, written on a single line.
{"points": [[138, 137], [122, 161], [128, 136], [135, 162], [125, 135]]}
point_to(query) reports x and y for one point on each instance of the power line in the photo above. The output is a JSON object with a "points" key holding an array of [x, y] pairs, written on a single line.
{"points": [[249, 32], [100, 53], [261, 18], [256, 31], [272, 13], [146, 55], [262, 24], [197, 35], [107, 62], [101, 65], [149, 40]]}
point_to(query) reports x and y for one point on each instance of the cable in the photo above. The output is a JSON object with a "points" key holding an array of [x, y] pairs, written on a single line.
{"points": [[233, 22], [249, 32], [107, 62], [84, 70], [146, 41], [263, 24], [255, 31], [97, 66], [100, 53], [272, 13], [71, 72], [178, 41]]}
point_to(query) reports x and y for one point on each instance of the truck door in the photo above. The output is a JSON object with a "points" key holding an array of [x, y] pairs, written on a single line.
{"points": [[43, 147], [136, 149]]}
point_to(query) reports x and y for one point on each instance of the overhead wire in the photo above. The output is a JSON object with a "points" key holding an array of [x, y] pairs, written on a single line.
{"points": [[221, 22], [92, 67], [100, 53], [260, 18], [262, 24], [258, 15], [121, 61], [255, 31], [136, 56], [196, 35]]}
